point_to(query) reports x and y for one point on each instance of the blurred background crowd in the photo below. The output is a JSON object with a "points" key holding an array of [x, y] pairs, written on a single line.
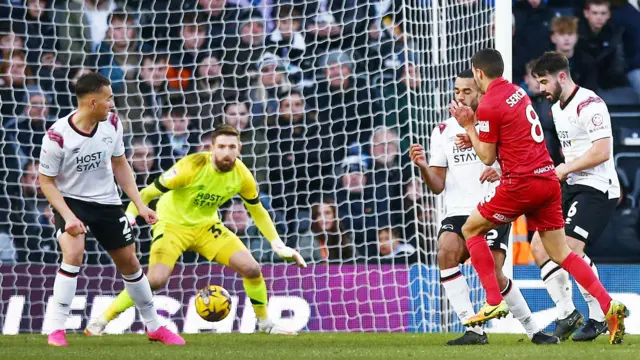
{"points": [[327, 94]]}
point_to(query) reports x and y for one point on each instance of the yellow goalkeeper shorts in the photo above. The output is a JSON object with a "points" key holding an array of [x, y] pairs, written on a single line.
{"points": [[215, 243]]}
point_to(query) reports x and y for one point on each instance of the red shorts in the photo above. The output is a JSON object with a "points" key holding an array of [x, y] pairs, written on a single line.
{"points": [[539, 199]]}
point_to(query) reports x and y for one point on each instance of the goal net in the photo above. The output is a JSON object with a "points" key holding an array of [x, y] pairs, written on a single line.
{"points": [[328, 96]]}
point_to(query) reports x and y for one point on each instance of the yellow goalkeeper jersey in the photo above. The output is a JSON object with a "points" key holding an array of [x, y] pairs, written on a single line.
{"points": [[198, 190]]}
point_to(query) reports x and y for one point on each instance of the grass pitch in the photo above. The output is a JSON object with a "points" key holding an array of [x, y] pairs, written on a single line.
{"points": [[310, 346]]}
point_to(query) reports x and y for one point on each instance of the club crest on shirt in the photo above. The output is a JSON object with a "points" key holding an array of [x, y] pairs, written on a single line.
{"points": [[173, 172], [107, 140], [597, 120]]}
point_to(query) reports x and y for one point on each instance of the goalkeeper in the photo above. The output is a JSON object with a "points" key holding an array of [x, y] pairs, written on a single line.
{"points": [[192, 190]]}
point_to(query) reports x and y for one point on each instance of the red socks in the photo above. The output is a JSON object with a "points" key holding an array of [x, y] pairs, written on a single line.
{"points": [[582, 272], [482, 261]]}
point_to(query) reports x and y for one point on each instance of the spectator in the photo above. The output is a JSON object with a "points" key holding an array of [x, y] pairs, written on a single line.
{"points": [[9, 41], [14, 78], [602, 40], [192, 40], [36, 26], [80, 29], [28, 130], [402, 103], [119, 58], [244, 51], [543, 109], [151, 96], [209, 91], [144, 162], [357, 205], [345, 109], [564, 35], [286, 40], [176, 140], [533, 20], [628, 16], [32, 231], [393, 249], [7, 249], [223, 20], [293, 169], [272, 80], [330, 237], [378, 54], [253, 139], [386, 174], [419, 217]]}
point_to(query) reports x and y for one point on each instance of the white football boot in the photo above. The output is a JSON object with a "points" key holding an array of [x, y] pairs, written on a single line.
{"points": [[269, 327], [95, 327]]}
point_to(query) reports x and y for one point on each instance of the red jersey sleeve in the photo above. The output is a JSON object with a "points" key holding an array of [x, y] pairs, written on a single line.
{"points": [[488, 123]]}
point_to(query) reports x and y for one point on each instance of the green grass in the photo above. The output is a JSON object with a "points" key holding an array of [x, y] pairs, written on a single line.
{"points": [[310, 346]]}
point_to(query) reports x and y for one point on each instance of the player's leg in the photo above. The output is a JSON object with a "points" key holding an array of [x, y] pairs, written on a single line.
{"points": [[219, 244], [452, 252], [582, 224], [169, 242], [498, 240], [548, 220], [558, 284], [66, 281], [114, 233], [64, 285], [474, 231]]}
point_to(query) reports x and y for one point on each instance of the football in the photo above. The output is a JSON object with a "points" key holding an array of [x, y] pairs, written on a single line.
{"points": [[213, 303]]}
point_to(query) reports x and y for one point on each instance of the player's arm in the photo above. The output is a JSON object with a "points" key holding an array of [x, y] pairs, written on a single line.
{"points": [[179, 175], [433, 173], [485, 144], [262, 219], [51, 157], [596, 119]]}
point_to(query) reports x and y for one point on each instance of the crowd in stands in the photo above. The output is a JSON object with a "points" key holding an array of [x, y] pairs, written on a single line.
{"points": [[326, 94]]}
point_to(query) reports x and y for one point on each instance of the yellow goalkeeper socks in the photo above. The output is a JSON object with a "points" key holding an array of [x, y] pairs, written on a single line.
{"points": [[257, 292], [118, 306]]}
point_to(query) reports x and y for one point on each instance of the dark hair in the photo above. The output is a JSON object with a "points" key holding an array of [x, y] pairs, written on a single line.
{"points": [[550, 63], [121, 14], [90, 83], [224, 129], [337, 242], [465, 74], [489, 61], [588, 3]]}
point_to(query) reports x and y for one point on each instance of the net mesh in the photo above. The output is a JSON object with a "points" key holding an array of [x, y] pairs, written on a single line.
{"points": [[328, 96]]}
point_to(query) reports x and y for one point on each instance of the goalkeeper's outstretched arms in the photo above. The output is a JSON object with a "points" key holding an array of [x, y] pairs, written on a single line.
{"points": [[262, 219]]}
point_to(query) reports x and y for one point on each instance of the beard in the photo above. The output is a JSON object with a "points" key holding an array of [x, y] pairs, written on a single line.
{"points": [[554, 96], [224, 164]]}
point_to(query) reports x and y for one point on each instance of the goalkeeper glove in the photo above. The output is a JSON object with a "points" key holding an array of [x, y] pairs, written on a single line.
{"points": [[286, 253], [131, 218]]}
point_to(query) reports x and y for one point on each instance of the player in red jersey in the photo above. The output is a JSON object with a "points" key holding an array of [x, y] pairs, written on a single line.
{"points": [[510, 132]]}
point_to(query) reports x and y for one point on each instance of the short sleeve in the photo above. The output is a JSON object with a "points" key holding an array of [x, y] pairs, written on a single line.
{"points": [[179, 175], [438, 157], [488, 123], [52, 154], [594, 116], [249, 187], [119, 143]]}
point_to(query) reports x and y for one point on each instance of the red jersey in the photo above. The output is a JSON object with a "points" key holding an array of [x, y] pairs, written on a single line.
{"points": [[507, 118]]}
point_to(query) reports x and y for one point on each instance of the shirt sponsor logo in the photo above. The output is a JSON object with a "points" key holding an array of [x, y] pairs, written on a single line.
{"points": [[543, 169], [461, 156], [211, 200], [90, 161], [483, 125]]}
